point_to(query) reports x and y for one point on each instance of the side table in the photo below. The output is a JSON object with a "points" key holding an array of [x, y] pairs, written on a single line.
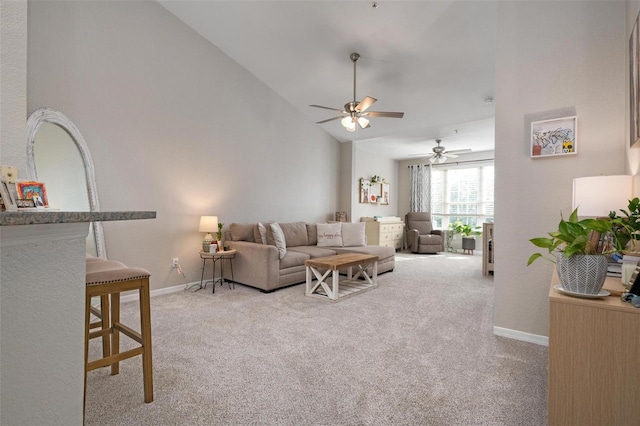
{"points": [[215, 257]]}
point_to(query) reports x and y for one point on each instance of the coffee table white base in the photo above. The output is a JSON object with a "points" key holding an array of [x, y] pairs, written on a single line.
{"points": [[323, 277]]}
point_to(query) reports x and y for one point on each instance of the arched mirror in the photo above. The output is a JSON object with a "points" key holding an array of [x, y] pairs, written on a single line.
{"points": [[58, 155]]}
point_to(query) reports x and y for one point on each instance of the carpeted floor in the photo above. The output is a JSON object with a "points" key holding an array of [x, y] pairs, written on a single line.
{"points": [[417, 350]]}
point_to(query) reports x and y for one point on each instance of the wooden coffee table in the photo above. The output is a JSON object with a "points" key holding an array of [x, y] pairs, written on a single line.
{"points": [[322, 267]]}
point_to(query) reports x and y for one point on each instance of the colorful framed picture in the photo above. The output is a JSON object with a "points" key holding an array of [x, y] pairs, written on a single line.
{"points": [[8, 201], [365, 188], [28, 190], [558, 136]]}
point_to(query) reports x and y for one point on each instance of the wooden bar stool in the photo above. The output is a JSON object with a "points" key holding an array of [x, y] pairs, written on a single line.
{"points": [[107, 279]]}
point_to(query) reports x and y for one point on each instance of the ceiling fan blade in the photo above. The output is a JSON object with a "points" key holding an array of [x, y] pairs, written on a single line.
{"points": [[384, 114], [458, 151], [450, 155], [324, 107], [329, 119], [365, 103]]}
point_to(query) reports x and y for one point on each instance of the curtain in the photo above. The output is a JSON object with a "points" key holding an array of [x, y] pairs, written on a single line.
{"points": [[420, 176]]}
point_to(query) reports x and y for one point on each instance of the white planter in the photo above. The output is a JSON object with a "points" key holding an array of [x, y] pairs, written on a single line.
{"points": [[582, 273]]}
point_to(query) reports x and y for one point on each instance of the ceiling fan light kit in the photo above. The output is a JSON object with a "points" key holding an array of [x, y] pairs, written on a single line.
{"points": [[356, 112]]}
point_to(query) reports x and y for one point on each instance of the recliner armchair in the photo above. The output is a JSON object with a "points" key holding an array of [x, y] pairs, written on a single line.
{"points": [[421, 237]]}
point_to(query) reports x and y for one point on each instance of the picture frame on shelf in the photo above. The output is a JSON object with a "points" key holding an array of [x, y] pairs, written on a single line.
{"points": [[8, 200], [27, 190], [384, 193], [365, 188], [554, 137]]}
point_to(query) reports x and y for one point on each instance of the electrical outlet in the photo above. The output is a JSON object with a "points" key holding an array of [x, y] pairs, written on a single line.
{"points": [[175, 263]]}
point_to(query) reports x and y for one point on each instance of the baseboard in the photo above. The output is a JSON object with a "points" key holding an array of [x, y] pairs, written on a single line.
{"points": [[521, 335], [159, 292]]}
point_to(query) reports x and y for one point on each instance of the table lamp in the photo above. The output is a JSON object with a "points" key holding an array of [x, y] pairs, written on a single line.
{"points": [[208, 224], [596, 196]]}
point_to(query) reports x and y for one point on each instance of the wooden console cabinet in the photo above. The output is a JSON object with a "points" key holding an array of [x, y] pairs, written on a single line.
{"points": [[594, 351], [386, 231], [488, 248]]}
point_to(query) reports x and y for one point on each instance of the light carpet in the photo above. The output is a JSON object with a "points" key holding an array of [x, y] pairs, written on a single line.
{"points": [[417, 350]]}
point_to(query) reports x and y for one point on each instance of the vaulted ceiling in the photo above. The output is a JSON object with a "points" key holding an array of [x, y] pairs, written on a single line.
{"points": [[433, 60]]}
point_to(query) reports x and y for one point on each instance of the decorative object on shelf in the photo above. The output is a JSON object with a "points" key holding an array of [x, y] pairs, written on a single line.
{"points": [[554, 137], [6, 197], [385, 193], [341, 216], [365, 186], [219, 235], [9, 173], [29, 189], [374, 190], [580, 261], [634, 86], [208, 224]]}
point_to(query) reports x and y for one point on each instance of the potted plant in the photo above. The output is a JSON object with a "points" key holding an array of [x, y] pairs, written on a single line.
{"points": [[219, 235], [468, 235], [626, 228], [581, 267]]}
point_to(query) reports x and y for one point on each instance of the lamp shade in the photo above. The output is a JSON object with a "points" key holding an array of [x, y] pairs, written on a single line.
{"points": [[596, 196], [208, 224]]}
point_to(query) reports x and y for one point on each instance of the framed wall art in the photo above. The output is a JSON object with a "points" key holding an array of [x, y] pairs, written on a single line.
{"points": [[634, 86], [384, 193], [27, 190], [558, 136], [365, 188]]}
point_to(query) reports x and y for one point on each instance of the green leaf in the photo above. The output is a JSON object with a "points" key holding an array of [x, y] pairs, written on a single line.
{"points": [[533, 257], [542, 242]]}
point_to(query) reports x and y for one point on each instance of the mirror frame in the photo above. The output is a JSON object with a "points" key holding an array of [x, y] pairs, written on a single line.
{"points": [[48, 115]]}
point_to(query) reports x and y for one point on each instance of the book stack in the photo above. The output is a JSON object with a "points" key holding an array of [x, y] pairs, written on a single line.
{"points": [[614, 268]]}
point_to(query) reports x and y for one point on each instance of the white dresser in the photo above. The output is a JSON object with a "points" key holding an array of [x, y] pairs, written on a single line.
{"points": [[384, 231]]}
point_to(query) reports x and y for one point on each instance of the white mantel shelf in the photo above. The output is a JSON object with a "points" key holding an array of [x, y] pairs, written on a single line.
{"points": [[53, 217]]}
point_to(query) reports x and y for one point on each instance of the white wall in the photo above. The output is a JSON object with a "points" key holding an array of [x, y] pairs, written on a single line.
{"points": [[366, 164], [175, 126], [551, 56]]}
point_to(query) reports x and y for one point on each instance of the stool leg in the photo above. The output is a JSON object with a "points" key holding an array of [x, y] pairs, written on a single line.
{"points": [[145, 328], [87, 320], [115, 334], [104, 311]]}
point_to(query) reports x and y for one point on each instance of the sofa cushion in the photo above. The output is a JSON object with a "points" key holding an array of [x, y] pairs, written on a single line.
{"points": [[329, 234], [293, 258], [242, 232], [312, 234], [262, 230], [313, 251], [295, 234], [278, 238], [353, 234]]}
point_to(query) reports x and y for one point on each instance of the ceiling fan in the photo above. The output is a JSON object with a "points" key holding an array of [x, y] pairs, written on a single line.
{"points": [[440, 154], [356, 112]]}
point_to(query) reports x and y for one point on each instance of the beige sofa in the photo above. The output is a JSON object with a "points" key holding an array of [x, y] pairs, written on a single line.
{"points": [[264, 265]]}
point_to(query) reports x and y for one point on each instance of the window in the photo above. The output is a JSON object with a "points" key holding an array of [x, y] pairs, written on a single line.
{"points": [[462, 193]]}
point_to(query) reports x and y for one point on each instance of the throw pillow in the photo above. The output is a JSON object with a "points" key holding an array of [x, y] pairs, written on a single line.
{"points": [[329, 234], [241, 232], [353, 234], [278, 237], [263, 233]]}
